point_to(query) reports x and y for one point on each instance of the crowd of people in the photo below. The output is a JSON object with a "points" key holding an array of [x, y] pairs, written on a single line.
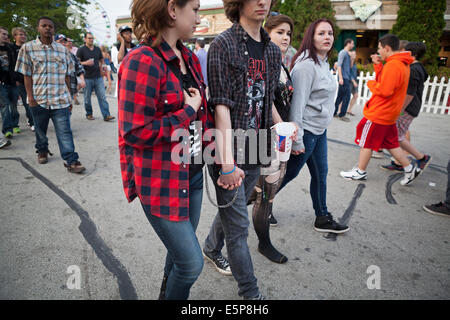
{"points": [[241, 83]]}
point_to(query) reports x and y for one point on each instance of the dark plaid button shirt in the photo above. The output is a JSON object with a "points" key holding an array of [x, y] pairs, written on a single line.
{"points": [[228, 75], [151, 108]]}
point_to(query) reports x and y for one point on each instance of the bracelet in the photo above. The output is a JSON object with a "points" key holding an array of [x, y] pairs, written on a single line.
{"points": [[225, 173]]}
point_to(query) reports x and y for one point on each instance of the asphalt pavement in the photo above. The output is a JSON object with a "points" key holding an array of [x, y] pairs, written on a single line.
{"points": [[69, 236]]}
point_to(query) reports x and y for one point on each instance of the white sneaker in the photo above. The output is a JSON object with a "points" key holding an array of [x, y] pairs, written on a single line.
{"points": [[4, 143], [354, 174], [411, 175], [32, 128]]}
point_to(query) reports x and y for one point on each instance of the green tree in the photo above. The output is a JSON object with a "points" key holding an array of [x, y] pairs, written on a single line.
{"points": [[303, 12], [68, 16], [421, 21]]}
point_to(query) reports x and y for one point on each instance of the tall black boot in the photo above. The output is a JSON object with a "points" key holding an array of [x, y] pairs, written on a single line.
{"points": [[260, 215]]}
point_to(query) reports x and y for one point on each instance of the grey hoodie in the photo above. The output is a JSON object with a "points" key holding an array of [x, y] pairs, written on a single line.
{"points": [[312, 104]]}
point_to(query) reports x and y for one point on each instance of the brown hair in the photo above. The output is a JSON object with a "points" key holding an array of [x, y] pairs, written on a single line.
{"points": [[149, 17], [233, 8], [308, 42], [274, 21], [16, 30]]}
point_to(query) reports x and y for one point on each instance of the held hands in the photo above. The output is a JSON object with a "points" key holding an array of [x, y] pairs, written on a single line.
{"points": [[233, 180], [194, 100]]}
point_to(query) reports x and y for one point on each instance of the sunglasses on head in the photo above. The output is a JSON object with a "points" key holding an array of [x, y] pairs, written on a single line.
{"points": [[274, 13]]}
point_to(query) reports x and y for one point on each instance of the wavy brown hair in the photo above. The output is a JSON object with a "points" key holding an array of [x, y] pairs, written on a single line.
{"points": [[233, 8], [149, 17], [274, 21]]}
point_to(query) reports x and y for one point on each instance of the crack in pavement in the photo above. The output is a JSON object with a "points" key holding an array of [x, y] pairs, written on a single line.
{"points": [[89, 231], [345, 219]]}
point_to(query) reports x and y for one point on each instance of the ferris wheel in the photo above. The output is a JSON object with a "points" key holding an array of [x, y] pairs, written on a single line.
{"points": [[98, 23]]}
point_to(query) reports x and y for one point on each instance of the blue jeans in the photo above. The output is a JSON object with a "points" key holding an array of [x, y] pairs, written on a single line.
{"points": [[343, 96], [184, 260], [61, 122], [231, 225], [99, 87], [6, 97], [316, 158], [23, 95]]}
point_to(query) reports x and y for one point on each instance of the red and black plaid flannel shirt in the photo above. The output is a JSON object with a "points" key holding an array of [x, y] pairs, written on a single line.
{"points": [[151, 108]]}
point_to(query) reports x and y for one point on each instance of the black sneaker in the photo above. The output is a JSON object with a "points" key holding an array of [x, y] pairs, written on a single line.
{"points": [[273, 222], [392, 167], [439, 208], [220, 262], [423, 163], [258, 297], [327, 224]]}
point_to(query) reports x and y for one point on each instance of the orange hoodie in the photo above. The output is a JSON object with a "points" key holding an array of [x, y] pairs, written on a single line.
{"points": [[388, 89]]}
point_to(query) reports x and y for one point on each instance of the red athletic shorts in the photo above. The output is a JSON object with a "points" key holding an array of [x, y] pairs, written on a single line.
{"points": [[376, 136]]}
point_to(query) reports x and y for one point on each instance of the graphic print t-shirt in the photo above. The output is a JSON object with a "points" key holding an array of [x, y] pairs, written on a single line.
{"points": [[195, 133], [256, 83], [4, 64]]}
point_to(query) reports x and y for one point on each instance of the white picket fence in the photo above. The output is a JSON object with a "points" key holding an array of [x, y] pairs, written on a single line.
{"points": [[434, 98]]}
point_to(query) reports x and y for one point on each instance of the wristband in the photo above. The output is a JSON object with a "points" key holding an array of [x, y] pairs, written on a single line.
{"points": [[225, 173]]}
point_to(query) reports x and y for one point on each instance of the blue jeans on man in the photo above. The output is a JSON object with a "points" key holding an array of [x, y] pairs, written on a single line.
{"points": [[184, 260], [22, 93], [7, 93], [343, 96], [98, 86], [61, 122], [316, 158], [231, 226]]}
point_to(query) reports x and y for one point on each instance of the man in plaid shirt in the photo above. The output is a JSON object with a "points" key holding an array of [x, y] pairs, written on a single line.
{"points": [[46, 66]]}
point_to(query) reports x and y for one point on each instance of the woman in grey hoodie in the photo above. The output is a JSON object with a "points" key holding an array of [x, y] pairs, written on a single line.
{"points": [[312, 108]]}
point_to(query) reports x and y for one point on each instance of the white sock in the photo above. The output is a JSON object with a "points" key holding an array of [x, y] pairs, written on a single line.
{"points": [[360, 171], [408, 168]]}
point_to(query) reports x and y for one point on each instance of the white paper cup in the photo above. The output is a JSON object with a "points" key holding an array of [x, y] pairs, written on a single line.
{"points": [[284, 131]]}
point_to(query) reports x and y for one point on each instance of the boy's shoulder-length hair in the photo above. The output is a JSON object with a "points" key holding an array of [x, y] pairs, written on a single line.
{"points": [[233, 8]]}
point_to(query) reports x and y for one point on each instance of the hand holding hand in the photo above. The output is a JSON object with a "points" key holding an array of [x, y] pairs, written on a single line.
{"points": [[233, 180]]}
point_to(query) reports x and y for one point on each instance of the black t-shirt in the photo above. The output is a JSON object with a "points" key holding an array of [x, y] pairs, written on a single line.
{"points": [[16, 49], [7, 63], [84, 54], [256, 91], [418, 75], [195, 133], [256, 82]]}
